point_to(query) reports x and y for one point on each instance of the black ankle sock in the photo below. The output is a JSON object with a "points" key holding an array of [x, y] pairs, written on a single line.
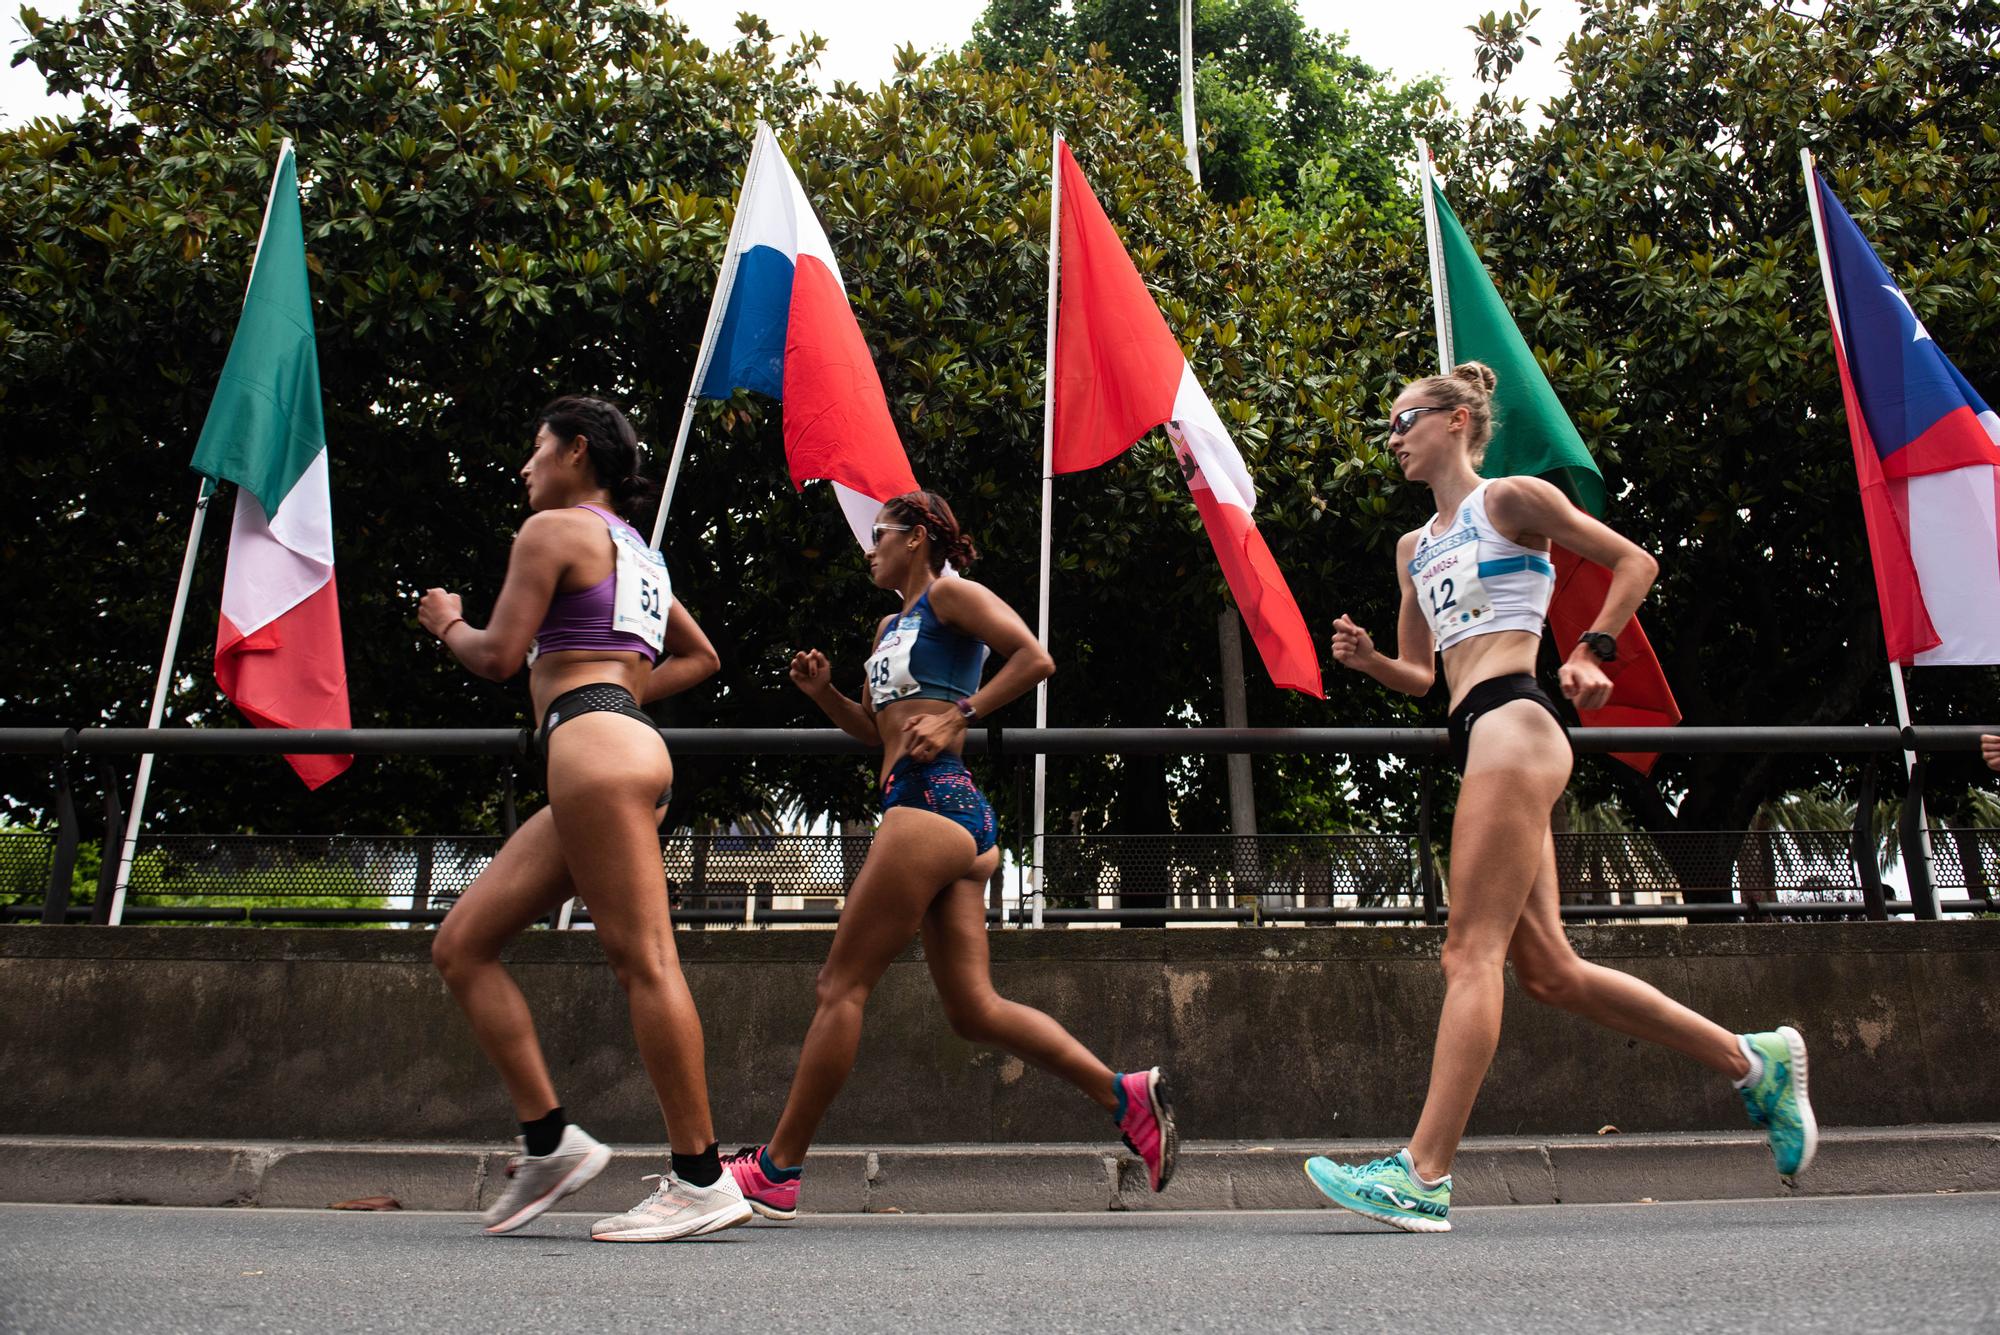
{"points": [[544, 1133], [698, 1170]]}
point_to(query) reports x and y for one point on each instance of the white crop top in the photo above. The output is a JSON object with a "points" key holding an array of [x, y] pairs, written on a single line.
{"points": [[1471, 581]]}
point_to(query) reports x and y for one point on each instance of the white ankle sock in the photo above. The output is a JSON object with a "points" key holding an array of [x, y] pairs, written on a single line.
{"points": [[1756, 1064], [1411, 1165]]}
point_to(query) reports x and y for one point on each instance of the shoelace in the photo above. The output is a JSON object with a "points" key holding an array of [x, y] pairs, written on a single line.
{"points": [[664, 1192]]}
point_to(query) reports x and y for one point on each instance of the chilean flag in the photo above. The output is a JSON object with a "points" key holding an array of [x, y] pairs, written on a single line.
{"points": [[1119, 373], [787, 331], [1927, 452]]}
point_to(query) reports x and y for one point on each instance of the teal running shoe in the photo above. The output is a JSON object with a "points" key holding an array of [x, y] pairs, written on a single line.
{"points": [[1387, 1190], [1776, 1101]]}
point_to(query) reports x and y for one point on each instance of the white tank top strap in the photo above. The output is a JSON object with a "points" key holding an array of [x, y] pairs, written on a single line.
{"points": [[1471, 580]]}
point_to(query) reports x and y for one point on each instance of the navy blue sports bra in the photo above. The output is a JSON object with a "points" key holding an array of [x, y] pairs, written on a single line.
{"points": [[919, 657]]}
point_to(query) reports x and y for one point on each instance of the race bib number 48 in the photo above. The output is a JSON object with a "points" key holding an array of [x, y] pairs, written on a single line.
{"points": [[1446, 574], [889, 666], [639, 601]]}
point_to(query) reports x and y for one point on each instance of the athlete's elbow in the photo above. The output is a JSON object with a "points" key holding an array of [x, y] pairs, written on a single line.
{"points": [[495, 666], [705, 664]]}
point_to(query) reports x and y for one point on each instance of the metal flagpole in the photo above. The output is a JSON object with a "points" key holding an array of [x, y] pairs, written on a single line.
{"points": [[129, 849], [717, 305], [1188, 129], [1048, 505], [1833, 315], [1440, 290]]}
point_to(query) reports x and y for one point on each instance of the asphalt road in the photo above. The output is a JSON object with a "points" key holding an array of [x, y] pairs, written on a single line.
{"points": [[1919, 1263]]}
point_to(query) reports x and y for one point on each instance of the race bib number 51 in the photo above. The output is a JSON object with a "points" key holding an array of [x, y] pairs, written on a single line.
{"points": [[639, 601]]}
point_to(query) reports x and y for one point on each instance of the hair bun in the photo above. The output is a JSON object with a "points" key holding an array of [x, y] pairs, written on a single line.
{"points": [[1476, 373]]}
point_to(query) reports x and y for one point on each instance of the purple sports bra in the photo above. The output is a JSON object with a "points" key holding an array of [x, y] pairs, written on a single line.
{"points": [[582, 620]]}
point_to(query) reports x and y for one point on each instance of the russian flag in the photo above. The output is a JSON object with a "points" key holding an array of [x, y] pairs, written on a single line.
{"points": [[787, 331], [1119, 372], [1927, 452]]}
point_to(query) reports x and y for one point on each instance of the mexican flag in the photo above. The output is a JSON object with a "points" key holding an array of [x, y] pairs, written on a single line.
{"points": [[1533, 436], [278, 654]]}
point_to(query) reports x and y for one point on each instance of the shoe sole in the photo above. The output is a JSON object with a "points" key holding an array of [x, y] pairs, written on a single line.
{"points": [[716, 1222], [772, 1212], [1163, 1115], [1808, 1124], [593, 1164], [1407, 1223]]}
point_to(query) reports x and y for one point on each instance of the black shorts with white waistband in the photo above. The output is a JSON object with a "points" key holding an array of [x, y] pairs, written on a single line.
{"points": [[1488, 696], [600, 697]]}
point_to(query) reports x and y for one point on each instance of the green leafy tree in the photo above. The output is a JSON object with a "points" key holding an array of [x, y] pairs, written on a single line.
{"points": [[503, 203], [1652, 238], [1287, 112]]}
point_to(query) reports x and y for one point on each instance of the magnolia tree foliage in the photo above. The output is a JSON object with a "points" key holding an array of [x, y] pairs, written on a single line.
{"points": [[507, 201], [1287, 113], [1653, 239], [504, 202]]}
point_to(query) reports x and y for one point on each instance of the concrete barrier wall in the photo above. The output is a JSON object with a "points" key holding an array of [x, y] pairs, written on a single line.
{"points": [[345, 1035]]}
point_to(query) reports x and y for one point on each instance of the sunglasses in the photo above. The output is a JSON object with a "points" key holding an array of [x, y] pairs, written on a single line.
{"points": [[1400, 424], [876, 531]]}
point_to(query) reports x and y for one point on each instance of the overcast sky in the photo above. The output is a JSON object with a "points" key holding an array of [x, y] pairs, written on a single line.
{"points": [[1410, 37]]}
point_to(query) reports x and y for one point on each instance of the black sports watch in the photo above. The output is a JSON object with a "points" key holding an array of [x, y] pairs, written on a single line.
{"points": [[1603, 647]]}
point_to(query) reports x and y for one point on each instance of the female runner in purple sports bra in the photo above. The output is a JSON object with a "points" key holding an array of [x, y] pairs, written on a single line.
{"points": [[934, 851], [589, 608]]}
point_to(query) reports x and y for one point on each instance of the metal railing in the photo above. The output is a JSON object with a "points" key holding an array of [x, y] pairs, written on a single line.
{"points": [[1085, 878]]}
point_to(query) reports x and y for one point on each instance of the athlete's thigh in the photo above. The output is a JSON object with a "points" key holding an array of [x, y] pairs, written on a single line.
{"points": [[954, 928], [914, 857], [1539, 940], [525, 882], [1516, 769], [605, 776]]}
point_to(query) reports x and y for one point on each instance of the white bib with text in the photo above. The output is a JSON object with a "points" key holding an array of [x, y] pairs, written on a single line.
{"points": [[639, 603], [1446, 573], [889, 676]]}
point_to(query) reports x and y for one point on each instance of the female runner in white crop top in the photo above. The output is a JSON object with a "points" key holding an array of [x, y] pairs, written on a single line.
{"points": [[1476, 587]]}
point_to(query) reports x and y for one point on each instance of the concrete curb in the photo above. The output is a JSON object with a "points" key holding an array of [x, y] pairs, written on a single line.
{"points": [[937, 1179]]}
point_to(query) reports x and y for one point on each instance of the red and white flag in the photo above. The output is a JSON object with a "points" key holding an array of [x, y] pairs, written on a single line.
{"points": [[1119, 373], [278, 653]]}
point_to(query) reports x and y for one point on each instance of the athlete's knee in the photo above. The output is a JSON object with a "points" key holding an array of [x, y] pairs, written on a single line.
{"points": [[456, 954], [837, 987], [1552, 982], [640, 964], [1467, 961], [976, 1019]]}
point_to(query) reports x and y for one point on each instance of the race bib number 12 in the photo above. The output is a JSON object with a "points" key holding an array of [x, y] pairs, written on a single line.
{"points": [[1449, 589]]}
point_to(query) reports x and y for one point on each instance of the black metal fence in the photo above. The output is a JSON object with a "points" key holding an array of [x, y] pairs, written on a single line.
{"points": [[763, 879]]}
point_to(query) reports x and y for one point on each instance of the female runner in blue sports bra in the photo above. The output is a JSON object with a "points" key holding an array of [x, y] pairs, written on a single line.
{"points": [[589, 608], [1475, 587], [934, 851]]}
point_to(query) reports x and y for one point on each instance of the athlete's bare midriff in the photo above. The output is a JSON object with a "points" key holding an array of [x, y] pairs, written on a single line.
{"points": [[568, 669], [889, 721], [1499, 653]]}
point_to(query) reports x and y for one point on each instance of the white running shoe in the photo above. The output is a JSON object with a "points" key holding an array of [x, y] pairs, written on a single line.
{"points": [[677, 1210], [536, 1182]]}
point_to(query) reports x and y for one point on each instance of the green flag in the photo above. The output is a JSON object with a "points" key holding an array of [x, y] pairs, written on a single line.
{"points": [[1531, 432], [264, 428]]}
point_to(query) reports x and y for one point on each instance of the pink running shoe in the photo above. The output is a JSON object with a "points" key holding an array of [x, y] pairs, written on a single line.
{"points": [[1147, 1121], [773, 1200]]}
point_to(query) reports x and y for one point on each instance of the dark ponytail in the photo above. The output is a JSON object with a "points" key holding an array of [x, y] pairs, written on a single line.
{"points": [[612, 444], [927, 510]]}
